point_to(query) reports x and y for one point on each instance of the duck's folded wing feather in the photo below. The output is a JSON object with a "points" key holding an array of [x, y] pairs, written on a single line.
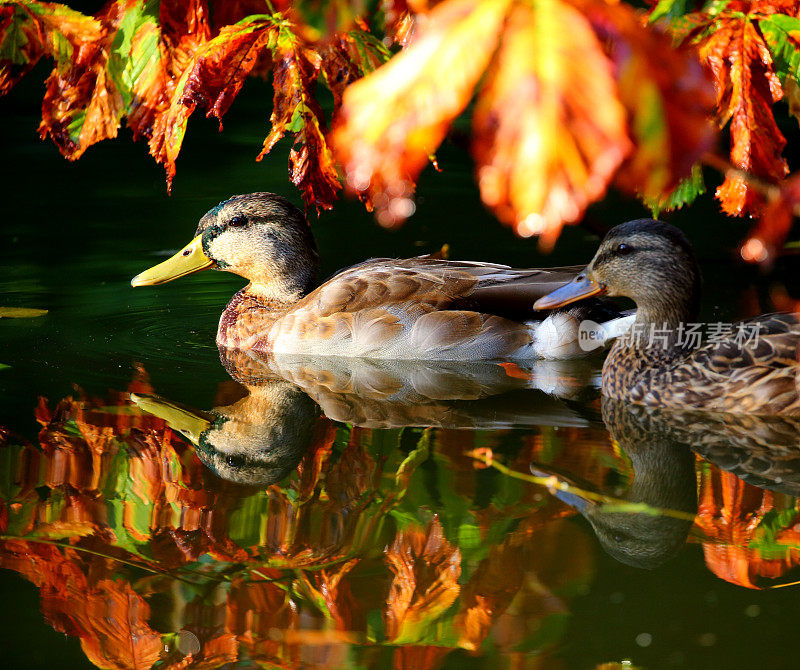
{"points": [[441, 284]]}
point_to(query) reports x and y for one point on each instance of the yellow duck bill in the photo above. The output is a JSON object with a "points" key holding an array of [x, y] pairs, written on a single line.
{"points": [[580, 287], [188, 421], [188, 260]]}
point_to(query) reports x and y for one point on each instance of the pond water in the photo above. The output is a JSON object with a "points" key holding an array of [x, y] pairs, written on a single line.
{"points": [[315, 514]]}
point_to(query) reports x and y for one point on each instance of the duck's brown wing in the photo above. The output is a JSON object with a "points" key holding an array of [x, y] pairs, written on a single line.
{"points": [[752, 367], [416, 308], [444, 284]]}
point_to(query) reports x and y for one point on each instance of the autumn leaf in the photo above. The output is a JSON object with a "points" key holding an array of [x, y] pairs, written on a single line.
{"points": [[394, 119], [555, 120], [295, 71], [747, 87], [20, 48], [669, 99], [549, 130], [426, 569], [346, 57], [211, 79]]}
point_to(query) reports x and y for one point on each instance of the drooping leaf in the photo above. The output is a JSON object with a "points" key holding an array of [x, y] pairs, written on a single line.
{"points": [[393, 120], [20, 47], [213, 76], [747, 87], [549, 131], [668, 96], [295, 71]]}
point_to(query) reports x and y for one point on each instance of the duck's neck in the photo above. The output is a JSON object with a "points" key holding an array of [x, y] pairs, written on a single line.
{"points": [[659, 335], [250, 313]]}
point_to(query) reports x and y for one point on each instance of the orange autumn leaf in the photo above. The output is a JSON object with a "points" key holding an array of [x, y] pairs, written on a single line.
{"points": [[747, 87], [426, 569], [394, 119], [555, 121], [549, 130], [295, 71], [212, 77], [667, 93]]}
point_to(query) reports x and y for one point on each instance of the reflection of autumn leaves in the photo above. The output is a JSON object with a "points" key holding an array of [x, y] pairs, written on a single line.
{"points": [[106, 614], [343, 552], [733, 518], [426, 569]]}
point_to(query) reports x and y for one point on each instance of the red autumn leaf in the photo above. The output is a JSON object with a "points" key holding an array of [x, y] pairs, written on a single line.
{"points": [[20, 33], [394, 119], [555, 119], [747, 87], [295, 71], [79, 108], [549, 130], [211, 78]]}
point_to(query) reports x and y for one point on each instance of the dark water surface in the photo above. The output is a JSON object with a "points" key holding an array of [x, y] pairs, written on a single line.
{"points": [[337, 519]]}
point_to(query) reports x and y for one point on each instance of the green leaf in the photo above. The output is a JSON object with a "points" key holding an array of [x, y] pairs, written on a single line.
{"points": [[683, 194], [782, 34], [671, 9]]}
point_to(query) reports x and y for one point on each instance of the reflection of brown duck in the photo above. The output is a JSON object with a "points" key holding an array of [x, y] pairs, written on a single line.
{"points": [[762, 450], [664, 477], [385, 394], [256, 441]]}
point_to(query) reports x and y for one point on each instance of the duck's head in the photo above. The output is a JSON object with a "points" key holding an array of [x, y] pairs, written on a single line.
{"points": [[260, 236], [650, 262], [256, 441]]}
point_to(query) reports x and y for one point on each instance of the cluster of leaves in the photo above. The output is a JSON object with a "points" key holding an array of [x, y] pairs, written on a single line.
{"points": [[752, 48], [571, 96], [154, 63]]}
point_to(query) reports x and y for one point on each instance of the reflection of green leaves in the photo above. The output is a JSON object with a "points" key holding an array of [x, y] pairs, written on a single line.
{"points": [[766, 537]]}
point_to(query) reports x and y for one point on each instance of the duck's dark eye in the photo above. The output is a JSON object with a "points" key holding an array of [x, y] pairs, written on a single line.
{"points": [[238, 221], [623, 249]]}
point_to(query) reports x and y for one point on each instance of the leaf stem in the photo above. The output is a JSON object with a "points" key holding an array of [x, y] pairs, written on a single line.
{"points": [[554, 483]]}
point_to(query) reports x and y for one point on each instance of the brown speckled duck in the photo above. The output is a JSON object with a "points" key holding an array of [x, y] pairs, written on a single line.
{"points": [[417, 308], [653, 263]]}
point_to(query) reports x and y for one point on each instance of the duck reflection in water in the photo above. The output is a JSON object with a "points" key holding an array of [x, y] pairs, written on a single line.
{"points": [[255, 441], [661, 445], [663, 478], [261, 438]]}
